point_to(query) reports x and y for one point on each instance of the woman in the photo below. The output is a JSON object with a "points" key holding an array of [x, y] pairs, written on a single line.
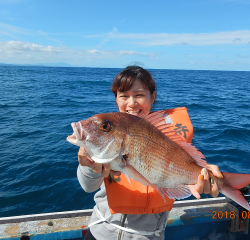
{"points": [[134, 90]]}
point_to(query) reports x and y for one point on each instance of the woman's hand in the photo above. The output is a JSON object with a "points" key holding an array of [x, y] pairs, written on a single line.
{"points": [[104, 169], [204, 185]]}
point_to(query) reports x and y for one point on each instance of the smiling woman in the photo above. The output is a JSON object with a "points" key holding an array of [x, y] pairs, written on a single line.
{"points": [[134, 90]]}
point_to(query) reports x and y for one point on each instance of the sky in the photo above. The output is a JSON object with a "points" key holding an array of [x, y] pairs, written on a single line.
{"points": [[157, 34]]}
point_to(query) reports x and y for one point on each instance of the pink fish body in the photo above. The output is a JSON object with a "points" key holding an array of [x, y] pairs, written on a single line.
{"points": [[147, 150]]}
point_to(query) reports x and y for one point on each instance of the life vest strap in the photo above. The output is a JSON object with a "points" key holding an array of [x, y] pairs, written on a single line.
{"points": [[103, 219], [144, 233]]}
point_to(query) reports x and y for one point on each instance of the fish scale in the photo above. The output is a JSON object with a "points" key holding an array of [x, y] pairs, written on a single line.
{"points": [[158, 163]]}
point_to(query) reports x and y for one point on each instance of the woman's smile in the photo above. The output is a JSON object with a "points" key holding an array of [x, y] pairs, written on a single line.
{"points": [[134, 112]]}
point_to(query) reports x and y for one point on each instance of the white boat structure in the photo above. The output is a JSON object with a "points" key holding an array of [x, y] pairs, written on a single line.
{"points": [[210, 218]]}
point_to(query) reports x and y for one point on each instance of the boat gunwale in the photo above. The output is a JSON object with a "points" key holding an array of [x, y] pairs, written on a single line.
{"points": [[88, 212], [46, 216]]}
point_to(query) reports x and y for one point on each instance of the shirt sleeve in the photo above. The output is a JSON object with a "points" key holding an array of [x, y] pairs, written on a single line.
{"points": [[88, 179]]}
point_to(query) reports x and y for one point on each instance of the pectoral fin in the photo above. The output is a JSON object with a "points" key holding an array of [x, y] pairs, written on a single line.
{"points": [[131, 172], [174, 193]]}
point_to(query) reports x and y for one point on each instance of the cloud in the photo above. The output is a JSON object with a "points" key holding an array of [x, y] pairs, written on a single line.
{"points": [[241, 37], [17, 51], [107, 37], [241, 56], [5, 33], [237, 40], [13, 29], [94, 51], [131, 52], [17, 46], [224, 63]]}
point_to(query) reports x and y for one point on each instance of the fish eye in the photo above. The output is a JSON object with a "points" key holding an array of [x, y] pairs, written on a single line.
{"points": [[106, 126]]}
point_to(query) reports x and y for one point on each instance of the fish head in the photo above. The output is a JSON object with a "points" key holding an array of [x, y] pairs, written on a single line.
{"points": [[101, 136]]}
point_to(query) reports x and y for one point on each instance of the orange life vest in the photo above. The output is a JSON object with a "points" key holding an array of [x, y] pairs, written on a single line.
{"points": [[138, 198]]}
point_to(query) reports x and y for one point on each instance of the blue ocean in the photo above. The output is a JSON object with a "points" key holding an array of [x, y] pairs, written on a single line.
{"points": [[37, 105]]}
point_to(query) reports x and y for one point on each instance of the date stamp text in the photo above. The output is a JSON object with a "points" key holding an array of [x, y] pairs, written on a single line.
{"points": [[230, 215]]}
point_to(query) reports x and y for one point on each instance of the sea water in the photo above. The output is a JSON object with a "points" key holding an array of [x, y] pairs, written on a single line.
{"points": [[37, 104]]}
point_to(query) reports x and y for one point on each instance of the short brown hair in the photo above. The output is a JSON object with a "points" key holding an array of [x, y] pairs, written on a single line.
{"points": [[127, 77]]}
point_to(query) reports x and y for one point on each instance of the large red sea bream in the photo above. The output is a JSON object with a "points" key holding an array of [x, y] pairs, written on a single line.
{"points": [[148, 151]]}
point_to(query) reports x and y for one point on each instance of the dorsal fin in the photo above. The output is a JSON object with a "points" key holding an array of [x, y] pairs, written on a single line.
{"points": [[158, 120]]}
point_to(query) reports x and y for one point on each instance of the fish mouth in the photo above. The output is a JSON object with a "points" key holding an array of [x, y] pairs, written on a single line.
{"points": [[76, 136]]}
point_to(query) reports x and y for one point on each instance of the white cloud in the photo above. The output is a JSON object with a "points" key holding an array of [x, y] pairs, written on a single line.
{"points": [[17, 46], [241, 37], [17, 51]]}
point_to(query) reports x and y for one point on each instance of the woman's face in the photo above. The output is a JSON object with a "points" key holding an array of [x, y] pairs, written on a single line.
{"points": [[135, 101]]}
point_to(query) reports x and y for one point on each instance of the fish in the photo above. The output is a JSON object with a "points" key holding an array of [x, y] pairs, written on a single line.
{"points": [[146, 149]]}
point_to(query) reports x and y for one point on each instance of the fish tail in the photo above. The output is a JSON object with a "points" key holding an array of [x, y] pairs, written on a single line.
{"points": [[232, 183]]}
